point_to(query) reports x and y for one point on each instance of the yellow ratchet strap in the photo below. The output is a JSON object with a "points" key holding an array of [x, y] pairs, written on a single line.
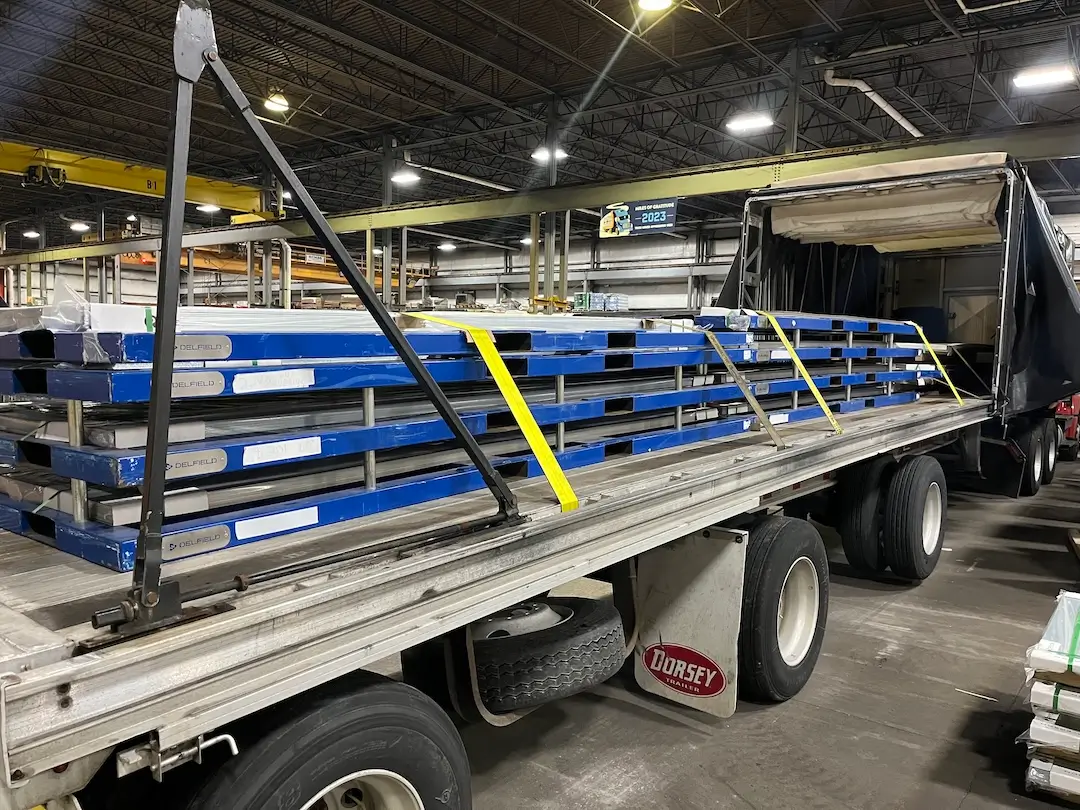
{"points": [[485, 343], [802, 370], [937, 362]]}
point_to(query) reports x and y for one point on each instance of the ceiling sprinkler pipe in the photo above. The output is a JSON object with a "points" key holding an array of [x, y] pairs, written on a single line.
{"points": [[874, 96], [991, 7]]}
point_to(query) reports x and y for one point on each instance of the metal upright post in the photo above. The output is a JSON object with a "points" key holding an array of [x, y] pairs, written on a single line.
{"points": [[86, 278], [678, 387], [797, 343], [564, 259], [402, 268], [534, 261], [370, 480], [191, 277], [118, 280], [251, 273], [388, 234], [268, 273], [75, 439], [103, 279], [42, 268], [890, 341], [850, 365], [794, 111], [549, 216], [560, 428], [286, 274], [369, 257]]}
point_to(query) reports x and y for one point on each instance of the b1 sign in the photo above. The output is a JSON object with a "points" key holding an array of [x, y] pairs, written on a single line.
{"points": [[637, 218]]}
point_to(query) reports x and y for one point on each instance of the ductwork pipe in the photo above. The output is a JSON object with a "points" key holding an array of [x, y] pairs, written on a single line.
{"points": [[874, 96]]}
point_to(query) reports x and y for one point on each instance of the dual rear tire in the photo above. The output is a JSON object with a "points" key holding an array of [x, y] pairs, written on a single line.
{"points": [[892, 516]]}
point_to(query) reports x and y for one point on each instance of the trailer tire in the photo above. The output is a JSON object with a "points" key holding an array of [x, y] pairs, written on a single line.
{"points": [[1031, 440], [384, 739], [861, 499], [915, 509], [527, 669], [1050, 450], [786, 578]]}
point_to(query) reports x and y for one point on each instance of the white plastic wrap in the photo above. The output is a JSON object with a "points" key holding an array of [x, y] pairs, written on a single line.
{"points": [[1053, 698], [1057, 653], [1050, 776]]}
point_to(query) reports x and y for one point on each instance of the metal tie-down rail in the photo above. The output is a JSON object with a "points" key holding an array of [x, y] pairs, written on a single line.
{"points": [[153, 602]]}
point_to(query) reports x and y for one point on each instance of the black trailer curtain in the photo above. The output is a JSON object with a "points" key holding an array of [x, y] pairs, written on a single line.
{"points": [[1045, 356]]}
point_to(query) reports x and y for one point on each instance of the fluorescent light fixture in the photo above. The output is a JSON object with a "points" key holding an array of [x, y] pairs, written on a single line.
{"points": [[276, 102], [749, 122], [654, 5], [31, 234], [377, 252], [526, 240], [287, 195], [405, 177], [1048, 76], [80, 227], [542, 155], [447, 247], [208, 208], [132, 217]]}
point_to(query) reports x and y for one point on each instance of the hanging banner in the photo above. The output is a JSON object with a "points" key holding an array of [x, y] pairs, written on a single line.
{"points": [[637, 218]]}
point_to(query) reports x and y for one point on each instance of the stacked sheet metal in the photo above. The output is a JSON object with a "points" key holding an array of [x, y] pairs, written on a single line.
{"points": [[1053, 739], [281, 425]]}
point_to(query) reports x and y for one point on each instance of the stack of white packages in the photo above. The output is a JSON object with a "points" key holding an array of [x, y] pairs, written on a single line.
{"points": [[1053, 740]]}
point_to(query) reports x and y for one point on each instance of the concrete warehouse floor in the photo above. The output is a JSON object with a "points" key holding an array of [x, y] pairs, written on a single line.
{"points": [[916, 701]]}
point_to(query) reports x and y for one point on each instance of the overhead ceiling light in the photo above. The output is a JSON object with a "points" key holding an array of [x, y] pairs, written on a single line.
{"points": [[276, 102], [542, 155], [208, 208], [1049, 76], [447, 247], [132, 217], [31, 234], [749, 122], [405, 177], [377, 252], [287, 195], [654, 5], [80, 227], [526, 240]]}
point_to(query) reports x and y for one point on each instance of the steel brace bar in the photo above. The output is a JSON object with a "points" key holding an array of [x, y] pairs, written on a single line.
{"points": [[153, 602]]}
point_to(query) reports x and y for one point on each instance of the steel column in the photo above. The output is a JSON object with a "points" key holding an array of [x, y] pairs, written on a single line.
{"points": [[564, 258], [552, 144], [388, 234], [103, 282], [191, 277], [369, 257], [75, 439], [268, 273], [534, 261]]}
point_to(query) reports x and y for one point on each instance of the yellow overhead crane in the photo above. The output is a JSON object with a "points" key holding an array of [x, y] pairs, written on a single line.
{"points": [[56, 168]]}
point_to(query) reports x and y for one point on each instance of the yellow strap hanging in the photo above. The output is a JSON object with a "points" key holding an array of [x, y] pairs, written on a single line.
{"points": [[802, 370], [518, 407], [937, 362]]}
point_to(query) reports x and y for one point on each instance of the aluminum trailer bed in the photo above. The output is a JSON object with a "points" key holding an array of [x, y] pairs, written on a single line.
{"points": [[289, 636]]}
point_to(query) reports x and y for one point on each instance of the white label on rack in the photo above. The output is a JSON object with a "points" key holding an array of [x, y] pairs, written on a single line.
{"points": [[282, 451], [277, 524], [781, 354], [779, 418], [274, 380]]}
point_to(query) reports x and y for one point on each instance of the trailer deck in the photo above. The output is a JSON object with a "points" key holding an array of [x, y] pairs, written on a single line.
{"points": [[284, 638]]}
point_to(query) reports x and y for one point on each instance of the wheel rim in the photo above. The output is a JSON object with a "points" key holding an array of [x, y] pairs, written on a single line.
{"points": [[519, 620], [931, 520], [1036, 464], [797, 616], [368, 790], [1051, 456]]}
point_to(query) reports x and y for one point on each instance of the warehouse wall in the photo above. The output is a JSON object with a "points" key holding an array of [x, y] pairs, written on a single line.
{"points": [[137, 286]]}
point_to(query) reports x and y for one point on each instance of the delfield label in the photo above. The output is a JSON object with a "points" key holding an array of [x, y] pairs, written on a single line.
{"points": [[685, 670]]}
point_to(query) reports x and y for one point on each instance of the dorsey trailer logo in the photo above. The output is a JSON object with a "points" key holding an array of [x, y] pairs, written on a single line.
{"points": [[684, 670]]}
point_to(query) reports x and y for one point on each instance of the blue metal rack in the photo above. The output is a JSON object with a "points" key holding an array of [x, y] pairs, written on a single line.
{"points": [[114, 547], [125, 468], [808, 323]]}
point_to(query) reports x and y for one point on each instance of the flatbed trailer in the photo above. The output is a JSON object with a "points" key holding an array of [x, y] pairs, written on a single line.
{"points": [[70, 711]]}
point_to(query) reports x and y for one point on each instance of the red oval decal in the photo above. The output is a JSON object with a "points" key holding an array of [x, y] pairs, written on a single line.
{"points": [[684, 670]]}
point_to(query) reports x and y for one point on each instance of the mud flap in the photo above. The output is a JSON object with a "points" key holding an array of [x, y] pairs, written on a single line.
{"points": [[689, 604]]}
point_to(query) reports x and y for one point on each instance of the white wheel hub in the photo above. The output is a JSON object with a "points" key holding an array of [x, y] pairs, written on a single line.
{"points": [[1037, 463], [797, 616], [1051, 455], [368, 790], [521, 619], [931, 520]]}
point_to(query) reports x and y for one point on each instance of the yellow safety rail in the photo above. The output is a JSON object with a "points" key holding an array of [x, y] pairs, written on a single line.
{"points": [[485, 343], [937, 362], [802, 370]]}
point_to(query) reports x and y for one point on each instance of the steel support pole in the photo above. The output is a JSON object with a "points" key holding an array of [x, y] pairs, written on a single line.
{"points": [[794, 109], [388, 235], [75, 439], [402, 268], [191, 277], [118, 280], [286, 274], [369, 257], [552, 142], [251, 273], [534, 261], [370, 479], [42, 268], [86, 279], [268, 273], [564, 259], [102, 276]]}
